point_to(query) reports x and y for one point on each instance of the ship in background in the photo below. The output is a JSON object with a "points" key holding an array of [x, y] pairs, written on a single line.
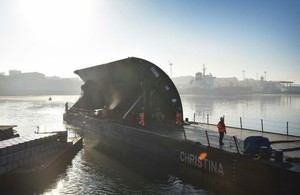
{"points": [[207, 84], [34, 83]]}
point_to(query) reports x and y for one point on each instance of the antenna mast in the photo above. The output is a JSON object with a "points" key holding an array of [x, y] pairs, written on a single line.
{"points": [[265, 75], [170, 64]]}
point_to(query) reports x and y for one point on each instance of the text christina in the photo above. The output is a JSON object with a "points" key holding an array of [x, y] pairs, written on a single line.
{"points": [[206, 164]]}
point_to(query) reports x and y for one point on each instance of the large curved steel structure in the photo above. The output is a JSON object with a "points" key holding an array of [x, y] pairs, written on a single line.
{"points": [[130, 85]]}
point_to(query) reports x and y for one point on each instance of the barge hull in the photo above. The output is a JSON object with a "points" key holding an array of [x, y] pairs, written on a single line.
{"points": [[37, 174], [221, 171]]}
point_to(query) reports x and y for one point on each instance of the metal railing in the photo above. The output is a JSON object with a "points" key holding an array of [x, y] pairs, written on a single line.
{"points": [[279, 127], [211, 139]]}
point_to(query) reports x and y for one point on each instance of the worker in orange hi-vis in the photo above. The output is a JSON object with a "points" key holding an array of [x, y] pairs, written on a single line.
{"points": [[142, 119], [222, 129], [178, 118]]}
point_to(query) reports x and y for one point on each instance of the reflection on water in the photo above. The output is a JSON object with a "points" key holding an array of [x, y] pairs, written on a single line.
{"points": [[274, 110], [30, 111], [94, 172], [283, 107]]}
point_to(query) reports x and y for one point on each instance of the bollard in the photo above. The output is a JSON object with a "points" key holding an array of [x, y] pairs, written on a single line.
{"points": [[287, 128], [262, 125]]}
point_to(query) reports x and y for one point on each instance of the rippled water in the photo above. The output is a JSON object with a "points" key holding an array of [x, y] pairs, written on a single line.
{"points": [[273, 110], [91, 171], [96, 172]]}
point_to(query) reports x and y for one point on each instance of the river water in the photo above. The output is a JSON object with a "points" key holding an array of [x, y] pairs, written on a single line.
{"points": [[94, 172], [275, 113]]}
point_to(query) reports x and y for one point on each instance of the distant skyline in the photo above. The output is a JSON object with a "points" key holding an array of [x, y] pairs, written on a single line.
{"points": [[56, 37]]}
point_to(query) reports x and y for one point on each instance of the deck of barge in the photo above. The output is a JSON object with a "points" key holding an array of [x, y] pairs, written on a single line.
{"points": [[196, 132]]}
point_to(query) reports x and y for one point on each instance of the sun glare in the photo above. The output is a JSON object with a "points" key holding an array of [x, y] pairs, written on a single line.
{"points": [[55, 21]]}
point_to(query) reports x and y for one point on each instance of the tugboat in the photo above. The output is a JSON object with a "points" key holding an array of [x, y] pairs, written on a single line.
{"points": [[131, 105]]}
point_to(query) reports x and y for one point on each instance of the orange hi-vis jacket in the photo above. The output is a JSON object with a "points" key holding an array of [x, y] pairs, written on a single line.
{"points": [[178, 118], [221, 127], [142, 119]]}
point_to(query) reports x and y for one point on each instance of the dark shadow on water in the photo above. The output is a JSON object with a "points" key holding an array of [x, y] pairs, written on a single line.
{"points": [[146, 174], [35, 179], [140, 173], [32, 183]]}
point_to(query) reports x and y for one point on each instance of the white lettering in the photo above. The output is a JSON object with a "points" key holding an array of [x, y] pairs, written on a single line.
{"points": [[186, 158], [191, 159], [220, 170], [206, 164], [199, 164], [213, 166], [182, 156]]}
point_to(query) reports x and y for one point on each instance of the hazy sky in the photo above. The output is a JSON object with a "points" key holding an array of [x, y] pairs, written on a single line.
{"points": [[56, 37]]}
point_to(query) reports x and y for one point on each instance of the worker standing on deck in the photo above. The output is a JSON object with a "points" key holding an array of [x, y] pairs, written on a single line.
{"points": [[142, 118], [222, 129], [178, 118]]}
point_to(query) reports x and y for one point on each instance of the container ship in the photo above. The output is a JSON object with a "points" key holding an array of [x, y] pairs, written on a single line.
{"points": [[133, 107]]}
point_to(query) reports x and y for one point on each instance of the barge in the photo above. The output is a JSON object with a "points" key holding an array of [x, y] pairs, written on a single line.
{"points": [[33, 159], [131, 106]]}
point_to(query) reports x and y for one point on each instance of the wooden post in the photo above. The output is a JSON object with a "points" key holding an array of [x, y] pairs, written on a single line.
{"points": [[262, 125], [287, 128], [241, 123], [207, 119]]}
